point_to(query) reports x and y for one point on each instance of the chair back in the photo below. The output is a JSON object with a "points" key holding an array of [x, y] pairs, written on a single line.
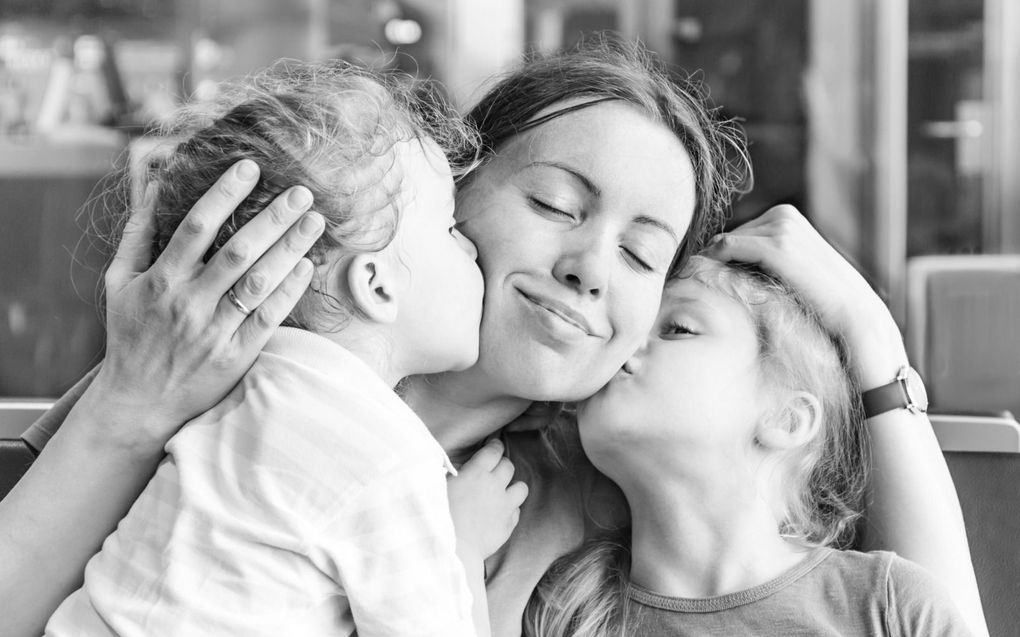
{"points": [[989, 488], [963, 329]]}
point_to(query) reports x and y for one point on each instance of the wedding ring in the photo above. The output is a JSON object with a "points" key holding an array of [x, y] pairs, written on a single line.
{"points": [[241, 307]]}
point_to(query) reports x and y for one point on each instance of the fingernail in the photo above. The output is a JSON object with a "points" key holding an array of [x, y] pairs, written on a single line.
{"points": [[299, 198], [310, 224], [247, 170]]}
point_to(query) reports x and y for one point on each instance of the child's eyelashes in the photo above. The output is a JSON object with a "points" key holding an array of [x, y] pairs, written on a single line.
{"points": [[677, 328]]}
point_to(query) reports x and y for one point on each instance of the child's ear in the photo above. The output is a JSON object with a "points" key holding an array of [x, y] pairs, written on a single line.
{"points": [[372, 281], [794, 423]]}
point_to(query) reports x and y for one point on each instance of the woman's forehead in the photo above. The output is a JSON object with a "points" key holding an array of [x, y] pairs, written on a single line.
{"points": [[612, 143]]}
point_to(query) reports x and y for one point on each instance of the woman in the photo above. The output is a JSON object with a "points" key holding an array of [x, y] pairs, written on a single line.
{"points": [[600, 176]]}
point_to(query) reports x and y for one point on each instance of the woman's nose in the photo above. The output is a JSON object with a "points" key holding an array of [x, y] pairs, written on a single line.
{"points": [[584, 266]]}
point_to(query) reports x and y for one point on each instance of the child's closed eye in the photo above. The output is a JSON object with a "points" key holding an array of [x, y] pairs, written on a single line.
{"points": [[677, 328]]}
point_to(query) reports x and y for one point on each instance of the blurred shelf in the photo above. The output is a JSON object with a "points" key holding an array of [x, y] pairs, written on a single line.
{"points": [[81, 154]]}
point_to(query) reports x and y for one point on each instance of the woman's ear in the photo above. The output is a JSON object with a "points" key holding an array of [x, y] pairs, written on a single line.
{"points": [[373, 285], [794, 423]]}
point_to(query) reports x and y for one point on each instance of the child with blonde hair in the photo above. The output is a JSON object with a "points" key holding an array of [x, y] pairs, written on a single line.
{"points": [[312, 500], [737, 440]]}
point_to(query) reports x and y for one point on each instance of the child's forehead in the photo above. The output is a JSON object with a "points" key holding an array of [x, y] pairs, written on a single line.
{"points": [[687, 292]]}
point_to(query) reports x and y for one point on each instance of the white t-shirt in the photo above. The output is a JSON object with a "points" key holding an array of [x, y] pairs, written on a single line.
{"points": [[310, 501]]}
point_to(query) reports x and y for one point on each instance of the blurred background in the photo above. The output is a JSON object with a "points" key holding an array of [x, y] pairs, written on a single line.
{"points": [[894, 124]]}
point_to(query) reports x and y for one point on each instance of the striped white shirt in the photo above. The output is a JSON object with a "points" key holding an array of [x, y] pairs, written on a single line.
{"points": [[310, 501]]}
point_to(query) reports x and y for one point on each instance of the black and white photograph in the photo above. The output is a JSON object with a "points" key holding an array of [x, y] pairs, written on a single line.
{"points": [[509, 318]]}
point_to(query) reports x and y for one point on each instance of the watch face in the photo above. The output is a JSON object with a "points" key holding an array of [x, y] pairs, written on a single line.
{"points": [[916, 393]]}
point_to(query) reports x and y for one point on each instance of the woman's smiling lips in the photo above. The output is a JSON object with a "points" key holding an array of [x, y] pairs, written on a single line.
{"points": [[560, 311]]}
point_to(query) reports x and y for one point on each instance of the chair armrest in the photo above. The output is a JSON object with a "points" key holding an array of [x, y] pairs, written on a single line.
{"points": [[15, 459], [994, 433]]}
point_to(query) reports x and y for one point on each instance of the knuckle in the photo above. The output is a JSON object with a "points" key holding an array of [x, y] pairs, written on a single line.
{"points": [[262, 318], [194, 224], [180, 314], [279, 215], [157, 283], [228, 189], [255, 283], [237, 252], [787, 211]]}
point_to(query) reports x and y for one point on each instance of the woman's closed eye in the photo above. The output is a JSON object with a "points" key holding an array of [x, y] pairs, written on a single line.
{"points": [[550, 210], [636, 260]]}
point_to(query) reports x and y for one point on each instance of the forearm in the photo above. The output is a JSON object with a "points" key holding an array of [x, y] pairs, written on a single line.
{"points": [[58, 515], [913, 508]]}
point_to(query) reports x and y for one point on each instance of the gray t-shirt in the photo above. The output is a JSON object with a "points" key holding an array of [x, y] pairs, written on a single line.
{"points": [[830, 593]]}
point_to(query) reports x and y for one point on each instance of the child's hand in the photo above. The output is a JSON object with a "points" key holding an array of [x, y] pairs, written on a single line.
{"points": [[484, 505]]}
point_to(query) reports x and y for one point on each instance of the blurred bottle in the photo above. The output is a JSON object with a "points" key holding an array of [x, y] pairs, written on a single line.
{"points": [[13, 99]]}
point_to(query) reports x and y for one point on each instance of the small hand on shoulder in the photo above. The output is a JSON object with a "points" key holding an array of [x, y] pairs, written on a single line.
{"points": [[485, 506]]}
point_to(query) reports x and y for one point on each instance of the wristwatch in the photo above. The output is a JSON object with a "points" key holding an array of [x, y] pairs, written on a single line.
{"points": [[905, 392]]}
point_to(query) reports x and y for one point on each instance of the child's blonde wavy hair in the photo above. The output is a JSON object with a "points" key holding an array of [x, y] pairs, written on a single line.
{"points": [[821, 484], [329, 126]]}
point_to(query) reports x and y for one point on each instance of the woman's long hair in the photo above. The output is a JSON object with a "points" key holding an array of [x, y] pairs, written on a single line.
{"points": [[604, 67]]}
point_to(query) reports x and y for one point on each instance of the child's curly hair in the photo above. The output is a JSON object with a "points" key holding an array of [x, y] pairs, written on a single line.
{"points": [[329, 126]]}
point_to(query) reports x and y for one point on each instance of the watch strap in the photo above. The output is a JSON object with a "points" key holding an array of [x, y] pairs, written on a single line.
{"points": [[885, 398]]}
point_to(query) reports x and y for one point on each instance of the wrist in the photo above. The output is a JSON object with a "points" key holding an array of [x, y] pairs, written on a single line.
{"points": [[471, 557], [876, 351], [114, 418]]}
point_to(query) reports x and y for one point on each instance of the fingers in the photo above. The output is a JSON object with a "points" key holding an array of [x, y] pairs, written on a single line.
{"points": [[259, 235], [256, 328], [263, 278], [517, 493], [744, 249], [198, 229], [781, 213], [135, 249], [487, 458], [778, 229]]}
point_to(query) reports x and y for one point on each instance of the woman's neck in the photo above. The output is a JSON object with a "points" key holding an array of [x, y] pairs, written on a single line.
{"points": [[704, 536], [460, 410]]}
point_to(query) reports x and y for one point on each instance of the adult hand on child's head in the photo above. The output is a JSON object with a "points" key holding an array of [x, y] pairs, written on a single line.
{"points": [[484, 505], [176, 343], [786, 245]]}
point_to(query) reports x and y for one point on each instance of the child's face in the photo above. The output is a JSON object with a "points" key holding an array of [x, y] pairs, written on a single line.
{"points": [[693, 386], [442, 304]]}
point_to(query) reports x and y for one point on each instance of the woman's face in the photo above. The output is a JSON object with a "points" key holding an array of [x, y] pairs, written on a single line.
{"points": [[576, 224]]}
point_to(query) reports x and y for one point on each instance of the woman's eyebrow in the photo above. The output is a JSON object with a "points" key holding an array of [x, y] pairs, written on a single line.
{"points": [[657, 223], [588, 184]]}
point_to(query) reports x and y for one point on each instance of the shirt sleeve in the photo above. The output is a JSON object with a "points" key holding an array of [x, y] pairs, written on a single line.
{"points": [[392, 549], [919, 605], [40, 431]]}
